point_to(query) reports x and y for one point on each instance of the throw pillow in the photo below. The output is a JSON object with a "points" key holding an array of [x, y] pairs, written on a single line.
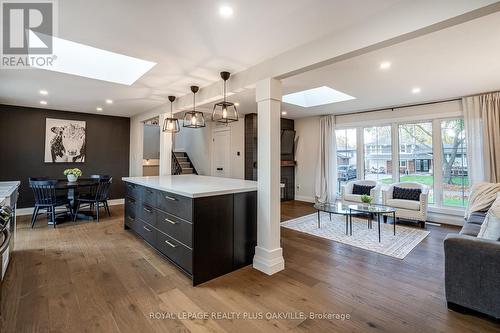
{"points": [[362, 189], [406, 193], [490, 229]]}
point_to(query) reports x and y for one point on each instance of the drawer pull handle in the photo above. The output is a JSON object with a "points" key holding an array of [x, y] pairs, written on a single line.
{"points": [[148, 230], [147, 210], [170, 221], [170, 198], [171, 244], [131, 219]]}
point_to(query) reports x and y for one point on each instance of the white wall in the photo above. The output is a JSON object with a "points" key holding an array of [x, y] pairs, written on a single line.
{"points": [[198, 144], [307, 131]]}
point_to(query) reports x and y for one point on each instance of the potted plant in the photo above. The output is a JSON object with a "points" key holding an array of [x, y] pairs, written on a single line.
{"points": [[366, 199], [72, 174]]}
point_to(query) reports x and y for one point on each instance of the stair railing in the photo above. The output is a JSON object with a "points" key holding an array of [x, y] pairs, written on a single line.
{"points": [[176, 166]]}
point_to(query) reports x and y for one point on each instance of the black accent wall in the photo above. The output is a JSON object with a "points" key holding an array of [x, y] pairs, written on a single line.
{"points": [[22, 142]]}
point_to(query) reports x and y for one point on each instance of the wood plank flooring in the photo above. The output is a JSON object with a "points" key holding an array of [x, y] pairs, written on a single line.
{"points": [[97, 277]]}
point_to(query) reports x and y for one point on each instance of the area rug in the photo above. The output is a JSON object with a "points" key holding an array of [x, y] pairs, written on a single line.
{"points": [[394, 246]]}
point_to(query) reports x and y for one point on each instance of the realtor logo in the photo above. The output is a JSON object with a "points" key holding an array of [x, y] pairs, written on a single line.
{"points": [[27, 30]]}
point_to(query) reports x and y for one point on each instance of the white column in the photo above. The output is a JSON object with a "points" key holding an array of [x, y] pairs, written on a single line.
{"points": [[268, 253], [165, 149]]}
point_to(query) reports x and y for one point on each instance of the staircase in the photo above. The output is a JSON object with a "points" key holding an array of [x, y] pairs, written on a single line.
{"points": [[181, 164]]}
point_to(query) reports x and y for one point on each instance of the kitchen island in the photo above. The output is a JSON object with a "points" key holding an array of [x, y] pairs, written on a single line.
{"points": [[206, 226]]}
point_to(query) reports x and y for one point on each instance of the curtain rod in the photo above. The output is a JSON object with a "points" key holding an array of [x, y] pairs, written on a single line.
{"points": [[392, 108], [413, 105]]}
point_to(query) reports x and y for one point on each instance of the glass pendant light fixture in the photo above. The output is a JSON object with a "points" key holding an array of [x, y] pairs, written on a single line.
{"points": [[194, 119], [171, 125], [225, 112]]}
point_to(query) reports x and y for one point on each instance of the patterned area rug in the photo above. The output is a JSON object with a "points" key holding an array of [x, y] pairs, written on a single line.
{"points": [[395, 246]]}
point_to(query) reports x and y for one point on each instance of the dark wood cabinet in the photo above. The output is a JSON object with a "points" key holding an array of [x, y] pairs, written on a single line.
{"points": [[205, 237]]}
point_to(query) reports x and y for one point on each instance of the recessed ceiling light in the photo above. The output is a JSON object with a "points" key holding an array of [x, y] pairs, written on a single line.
{"points": [[316, 96], [237, 104], [416, 90], [109, 101], [43, 102], [91, 62], [283, 113], [98, 108], [226, 11], [44, 92], [385, 65]]}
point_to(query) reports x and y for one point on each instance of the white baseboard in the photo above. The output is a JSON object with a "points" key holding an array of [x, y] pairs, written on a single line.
{"points": [[304, 198], [29, 210]]}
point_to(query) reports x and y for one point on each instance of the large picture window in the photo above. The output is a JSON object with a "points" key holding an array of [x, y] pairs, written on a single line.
{"points": [[346, 155], [455, 183], [416, 160], [378, 153]]}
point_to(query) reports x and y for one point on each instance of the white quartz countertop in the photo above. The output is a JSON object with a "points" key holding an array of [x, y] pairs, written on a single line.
{"points": [[195, 186], [7, 188]]}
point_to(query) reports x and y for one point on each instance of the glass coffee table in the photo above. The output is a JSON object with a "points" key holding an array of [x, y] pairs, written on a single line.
{"points": [[335, 208], [373, 210]]}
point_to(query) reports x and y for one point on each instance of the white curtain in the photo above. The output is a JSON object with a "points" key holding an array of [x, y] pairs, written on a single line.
{"points": [[482, 125], [326, 175]]}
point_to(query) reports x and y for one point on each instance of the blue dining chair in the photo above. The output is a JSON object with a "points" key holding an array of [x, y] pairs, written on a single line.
{"points": [[98, 196], [46, 198]]}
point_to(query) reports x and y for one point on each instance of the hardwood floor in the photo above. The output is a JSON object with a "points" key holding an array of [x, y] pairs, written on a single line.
{"points": [[89, 277]]}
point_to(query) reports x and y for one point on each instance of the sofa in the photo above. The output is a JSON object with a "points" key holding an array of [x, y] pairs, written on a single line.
{"points": [[472, 269], [415, 210], [347, 197]]}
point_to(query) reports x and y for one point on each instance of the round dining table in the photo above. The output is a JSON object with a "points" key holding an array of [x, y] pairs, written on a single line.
{"points": [[72, 189]]}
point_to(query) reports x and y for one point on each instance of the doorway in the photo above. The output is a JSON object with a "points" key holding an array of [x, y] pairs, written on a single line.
{"points": [[221, 152]]}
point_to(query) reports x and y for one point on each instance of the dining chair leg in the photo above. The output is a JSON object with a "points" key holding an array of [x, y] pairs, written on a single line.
{"points": [[107, 208], [35, 215], [53, 212], [97, 211], [76, 211]]}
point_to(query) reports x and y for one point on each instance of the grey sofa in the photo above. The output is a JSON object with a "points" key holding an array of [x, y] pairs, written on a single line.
{"points": [[472, 270]]}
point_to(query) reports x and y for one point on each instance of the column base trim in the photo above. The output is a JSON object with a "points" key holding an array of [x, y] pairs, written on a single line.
{"points": [[268, 261]]}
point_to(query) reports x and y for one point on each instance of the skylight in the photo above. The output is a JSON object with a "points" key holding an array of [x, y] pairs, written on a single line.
{"points": [[316, 96], [91, 62]]}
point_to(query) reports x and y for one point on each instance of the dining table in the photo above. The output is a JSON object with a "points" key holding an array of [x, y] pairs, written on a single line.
{"points": [[72, 189]]}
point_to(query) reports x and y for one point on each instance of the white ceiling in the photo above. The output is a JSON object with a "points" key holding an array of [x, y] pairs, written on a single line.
{"points": [[450, 63], [187, 39]]}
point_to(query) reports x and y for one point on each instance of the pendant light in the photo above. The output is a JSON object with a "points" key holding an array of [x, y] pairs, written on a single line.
{"points": [[225, 112], [194, 119], [171, 125]]}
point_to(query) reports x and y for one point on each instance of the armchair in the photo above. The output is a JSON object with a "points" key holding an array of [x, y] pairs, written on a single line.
{"points": [[408, 209], [346, 192]]}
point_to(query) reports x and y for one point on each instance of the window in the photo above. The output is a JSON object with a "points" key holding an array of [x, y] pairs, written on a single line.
{"points": [[378, 153], [346, 155], [416, 139], [455, 182]]}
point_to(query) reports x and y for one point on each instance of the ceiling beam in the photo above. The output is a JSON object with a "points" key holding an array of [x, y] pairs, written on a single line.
{"points": [[404, 21]]}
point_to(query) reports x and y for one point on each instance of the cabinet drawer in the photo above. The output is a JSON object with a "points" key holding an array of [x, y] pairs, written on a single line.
{"points": [[133, 191], [130, 220], [149, 196], [148, 233], [177, 252], [131, 206], [175, 227], [148, 214], [176, 205]]}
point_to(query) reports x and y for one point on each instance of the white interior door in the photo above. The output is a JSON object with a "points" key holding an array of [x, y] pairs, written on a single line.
{"points": [[221, 153]]}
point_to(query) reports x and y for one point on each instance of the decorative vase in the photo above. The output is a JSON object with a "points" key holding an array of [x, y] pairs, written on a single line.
{"points": [[72, 178]]}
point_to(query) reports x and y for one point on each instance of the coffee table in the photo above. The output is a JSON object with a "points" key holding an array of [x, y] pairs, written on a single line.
{"points": [[377, 210], [335, 208]]}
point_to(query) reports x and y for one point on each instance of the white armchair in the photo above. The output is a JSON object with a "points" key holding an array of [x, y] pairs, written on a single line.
{"points": [[348, 198], [408, 209]]}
